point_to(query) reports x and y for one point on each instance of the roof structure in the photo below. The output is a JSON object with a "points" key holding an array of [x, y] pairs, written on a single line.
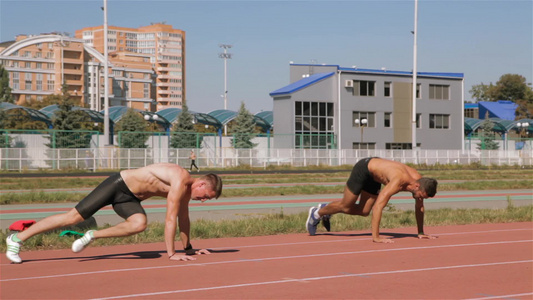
{"points": [[225, 116], [33, 113], [268, 116], [172, 113], [117, 112], [500, 125], [95, 116], [502, 109], [300, 84]]}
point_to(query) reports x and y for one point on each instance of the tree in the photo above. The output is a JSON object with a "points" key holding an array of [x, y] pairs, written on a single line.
{"points": [[184, 134], [68, 120], [511, 87], [132, 121], [5, 90], [487, 136], [244, 129]]}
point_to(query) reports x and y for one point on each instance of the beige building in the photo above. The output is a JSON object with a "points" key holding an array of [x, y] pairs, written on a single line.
{"points": [[38, 65], [157, 45]]}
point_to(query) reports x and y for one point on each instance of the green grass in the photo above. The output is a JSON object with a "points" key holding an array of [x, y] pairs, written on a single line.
{"points": [[280, 223], [60, 197]]}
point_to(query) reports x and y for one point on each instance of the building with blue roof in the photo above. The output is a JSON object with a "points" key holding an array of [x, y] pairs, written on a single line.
{"points": [[502, 109], [328, 106]]}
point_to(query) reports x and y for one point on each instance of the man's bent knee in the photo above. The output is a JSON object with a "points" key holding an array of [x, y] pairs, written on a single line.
{"points": [[137, 223], [73, 217]]}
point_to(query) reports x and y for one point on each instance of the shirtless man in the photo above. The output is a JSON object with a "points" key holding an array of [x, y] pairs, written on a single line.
{"points": [[125, 191], [365, 183]]}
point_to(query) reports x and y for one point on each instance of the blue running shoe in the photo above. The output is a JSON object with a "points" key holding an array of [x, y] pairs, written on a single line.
{"points": [[325, 218], [312, 223]]}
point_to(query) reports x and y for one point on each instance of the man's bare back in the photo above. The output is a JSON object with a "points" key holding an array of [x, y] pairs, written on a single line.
{"points": [[154, 180], [385, 171]]}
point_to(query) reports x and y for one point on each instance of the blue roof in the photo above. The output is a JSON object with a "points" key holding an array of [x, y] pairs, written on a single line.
{"points": [[501, 109], [471, 105], [390, 72], [300, 84]]}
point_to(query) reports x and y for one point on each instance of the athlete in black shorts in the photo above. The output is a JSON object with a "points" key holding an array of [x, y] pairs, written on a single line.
{"points": [[125, 191], [364, 184]]}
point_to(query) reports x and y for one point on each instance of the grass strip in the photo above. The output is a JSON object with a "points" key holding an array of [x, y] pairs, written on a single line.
{"points": [[61, 197], [281, 223]]}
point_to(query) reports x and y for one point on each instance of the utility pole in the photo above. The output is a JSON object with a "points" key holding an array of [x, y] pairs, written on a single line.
{"points": [[225, 56], [413, 120], [107, 135]]}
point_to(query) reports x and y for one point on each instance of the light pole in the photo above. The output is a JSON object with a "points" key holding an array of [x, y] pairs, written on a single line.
{"points": [[362, 123], [107, 135], [522, 127], [225, 56]]}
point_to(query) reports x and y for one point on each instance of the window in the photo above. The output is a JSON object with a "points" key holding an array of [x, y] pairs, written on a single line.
{"points": [[418, 120], [471, 113], [364, 146], [386, 89], [363, 88], [360, 115], [439, 92], [51, 81], [313, 123], [16, 85], [387, 120], [38, 65], [146, 90], [400, 146], [439, 121], [39, 82], [27, 81], [27, 65], [418, 85]]}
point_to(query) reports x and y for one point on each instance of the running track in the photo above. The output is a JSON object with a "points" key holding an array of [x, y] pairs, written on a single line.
{"points": [[487, 261]]}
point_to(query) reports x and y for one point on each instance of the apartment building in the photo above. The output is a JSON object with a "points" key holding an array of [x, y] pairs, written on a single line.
{"points": [[328, 106], [39, 65], [160, 45]]}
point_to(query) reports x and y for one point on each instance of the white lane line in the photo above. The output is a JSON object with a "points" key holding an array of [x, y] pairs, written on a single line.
{"points": [[316, 278], [502, 296], [259, 259], [302, 243]]}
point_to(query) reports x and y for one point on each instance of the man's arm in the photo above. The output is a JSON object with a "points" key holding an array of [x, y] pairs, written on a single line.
{"points": [[383, 198], [419, 213], [177, 207]]}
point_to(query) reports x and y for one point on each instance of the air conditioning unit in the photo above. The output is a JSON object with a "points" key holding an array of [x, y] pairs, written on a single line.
{"points": [[348, 83]]}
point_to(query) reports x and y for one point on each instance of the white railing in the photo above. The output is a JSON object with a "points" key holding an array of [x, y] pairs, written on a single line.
{"points": [[104, 158]]}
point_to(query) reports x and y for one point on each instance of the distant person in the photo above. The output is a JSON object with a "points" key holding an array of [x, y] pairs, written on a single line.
{"points": [[193, 161], [365, 183], [125, 191]]}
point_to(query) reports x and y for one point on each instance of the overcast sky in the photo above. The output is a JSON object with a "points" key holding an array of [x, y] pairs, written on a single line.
{"points": [[482, 39]]}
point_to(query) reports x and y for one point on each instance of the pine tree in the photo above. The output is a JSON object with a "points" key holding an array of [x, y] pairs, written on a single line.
{"points": [[134, 122], [184, 135], [487, 137], [244, 129], [68, 120]]}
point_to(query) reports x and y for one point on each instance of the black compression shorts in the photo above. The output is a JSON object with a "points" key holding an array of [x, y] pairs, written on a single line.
{"points": [[112, 191], [361, 179]]}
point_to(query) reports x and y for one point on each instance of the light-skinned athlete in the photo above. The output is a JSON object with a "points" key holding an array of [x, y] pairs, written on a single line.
{"points": [[365, 183], [125, 191]]}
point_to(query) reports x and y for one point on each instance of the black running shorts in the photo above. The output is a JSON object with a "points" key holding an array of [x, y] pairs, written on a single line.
{"points": [[361, 179], [112, 191]]}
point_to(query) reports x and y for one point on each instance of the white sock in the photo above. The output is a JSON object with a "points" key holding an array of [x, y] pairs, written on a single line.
{"points": [[316, 215]]}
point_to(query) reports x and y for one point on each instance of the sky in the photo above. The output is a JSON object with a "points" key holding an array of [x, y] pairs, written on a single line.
{"points": [[482, 39]]}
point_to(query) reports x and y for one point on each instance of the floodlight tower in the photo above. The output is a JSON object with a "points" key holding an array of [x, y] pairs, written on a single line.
{"points": [[225, 56]]}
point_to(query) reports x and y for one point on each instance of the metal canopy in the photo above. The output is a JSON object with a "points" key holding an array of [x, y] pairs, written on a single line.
{"points": [[34, 114], [225, 116], [94, 115], [171, 114]]}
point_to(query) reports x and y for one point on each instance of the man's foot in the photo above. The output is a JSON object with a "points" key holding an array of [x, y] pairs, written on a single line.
{"points": [[82, 242], [13, 249], [198, 170], [312, 222], [325, 218]]}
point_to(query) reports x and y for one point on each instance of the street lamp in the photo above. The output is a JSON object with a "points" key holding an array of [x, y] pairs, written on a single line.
{"points": [[362, 123], [522, 127]]}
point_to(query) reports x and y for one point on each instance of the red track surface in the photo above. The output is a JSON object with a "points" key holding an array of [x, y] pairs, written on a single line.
{"points": [[489, 261]]}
